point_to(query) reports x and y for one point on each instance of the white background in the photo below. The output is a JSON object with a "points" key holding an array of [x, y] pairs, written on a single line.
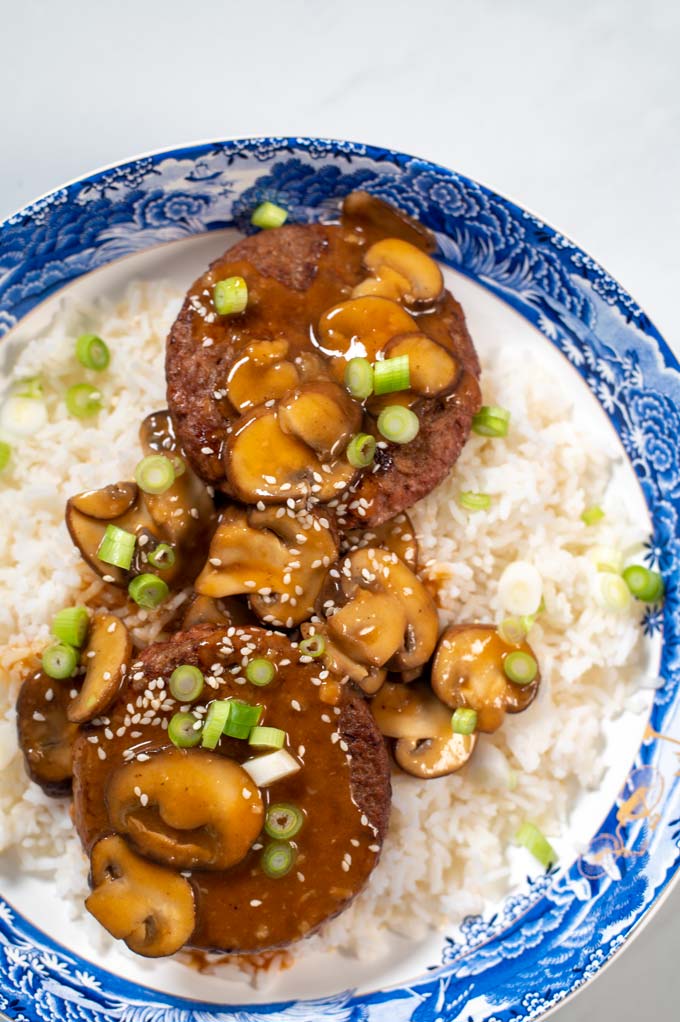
{"points": [[570, 108]]}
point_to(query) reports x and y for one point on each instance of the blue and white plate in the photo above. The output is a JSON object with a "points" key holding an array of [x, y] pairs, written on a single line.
{"points": [[530, 952]]}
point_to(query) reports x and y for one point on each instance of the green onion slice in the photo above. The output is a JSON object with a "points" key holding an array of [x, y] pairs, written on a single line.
{"points": [[92, 352], [267, 737], [644, 584], [611, 591], [83, 400], [5, 455], [184, 730], [260, 671], [313, 645], [491, 420], [533, 839], [464, 721], [70, 625], [59, 660], [277, 859], [186, 683], [269, 215], [243, 717], [472, 501], [283, 821], [514, 629], [520, 667], [230, 296], [391, 375], [29, 386], [359, 378], [155, 474], [162, 556], [213, 729], [117, 547], [592, 515], [148, 590], [361, 450], [398, 424]]}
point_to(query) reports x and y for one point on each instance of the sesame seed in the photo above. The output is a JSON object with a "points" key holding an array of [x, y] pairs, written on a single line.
{"points": [[345, 866], [101, 753], [255, 902], [295, 704], [301, 877], [38, 716], [374, 848], [49, 695], [107, 578], [93, 739], [144, 799]]}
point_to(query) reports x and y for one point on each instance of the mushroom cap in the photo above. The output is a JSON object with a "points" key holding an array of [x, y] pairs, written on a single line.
{"points": [[202, 810], [106, 658], [396, 261], [361, 327], [432, 369], [262, 373], [373, 218], [410, 711], [397, 534], [468, 671], [322, 415], [279, 561], [45, 733], [434, 757], [151, 908]]}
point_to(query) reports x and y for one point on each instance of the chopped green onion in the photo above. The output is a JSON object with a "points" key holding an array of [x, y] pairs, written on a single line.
{"points": [[520, 588], [184, 730], [313, 645], [269, 215], [260, 672], [267, 737], [592, 515], [29, 386], [230, 296], [283, 821], [361, 450], [218, 712], [117, 547], [92, 352], [70, 625], [270, 768], [359, 378], [186, 683], [607, 558], [513, 630], [5, 455], [148, 590], [391, 375], [242, 719], [59, 660], [464, 721], [162, 556], [23, 416], [398, 424], [155, 474], [277, 859], [83, 400], [531, 838], [491, 420], [472, 501], [520, 667], [611, 591], [644, 584]]}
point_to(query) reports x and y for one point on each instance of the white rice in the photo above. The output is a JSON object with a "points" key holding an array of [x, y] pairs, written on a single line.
{"points": [[447, 849]]}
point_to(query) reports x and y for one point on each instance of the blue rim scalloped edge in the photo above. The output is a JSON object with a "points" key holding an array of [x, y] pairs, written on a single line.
{"points": [[554, 936]]}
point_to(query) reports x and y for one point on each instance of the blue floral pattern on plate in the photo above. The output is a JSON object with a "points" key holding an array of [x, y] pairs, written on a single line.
{"points": [[547, 940]]}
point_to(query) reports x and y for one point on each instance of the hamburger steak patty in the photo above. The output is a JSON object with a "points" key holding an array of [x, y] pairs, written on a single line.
{"points": [[343, 786], [294, 274]]}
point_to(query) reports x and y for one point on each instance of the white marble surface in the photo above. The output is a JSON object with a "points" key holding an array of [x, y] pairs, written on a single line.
{"points": [[572, 109]]}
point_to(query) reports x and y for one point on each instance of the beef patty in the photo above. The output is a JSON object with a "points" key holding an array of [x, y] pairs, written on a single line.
{"points": [[294, 275], [342, 788]]}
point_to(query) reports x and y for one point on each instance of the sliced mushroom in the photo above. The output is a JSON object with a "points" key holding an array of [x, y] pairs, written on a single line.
{"points": [[387, 284], [362, 327], [279, 561], [46, 735], [111, 502], [433, 370], [151, 908], [468, 671], [105, 658], [434, 757], [201, 810], [369, 679], [261, 373], [397, 535], [264, 463], [398, 265], [205, 610], [410, 711], [321, 414], [380, 573], [87, 530], [373, 217]]}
